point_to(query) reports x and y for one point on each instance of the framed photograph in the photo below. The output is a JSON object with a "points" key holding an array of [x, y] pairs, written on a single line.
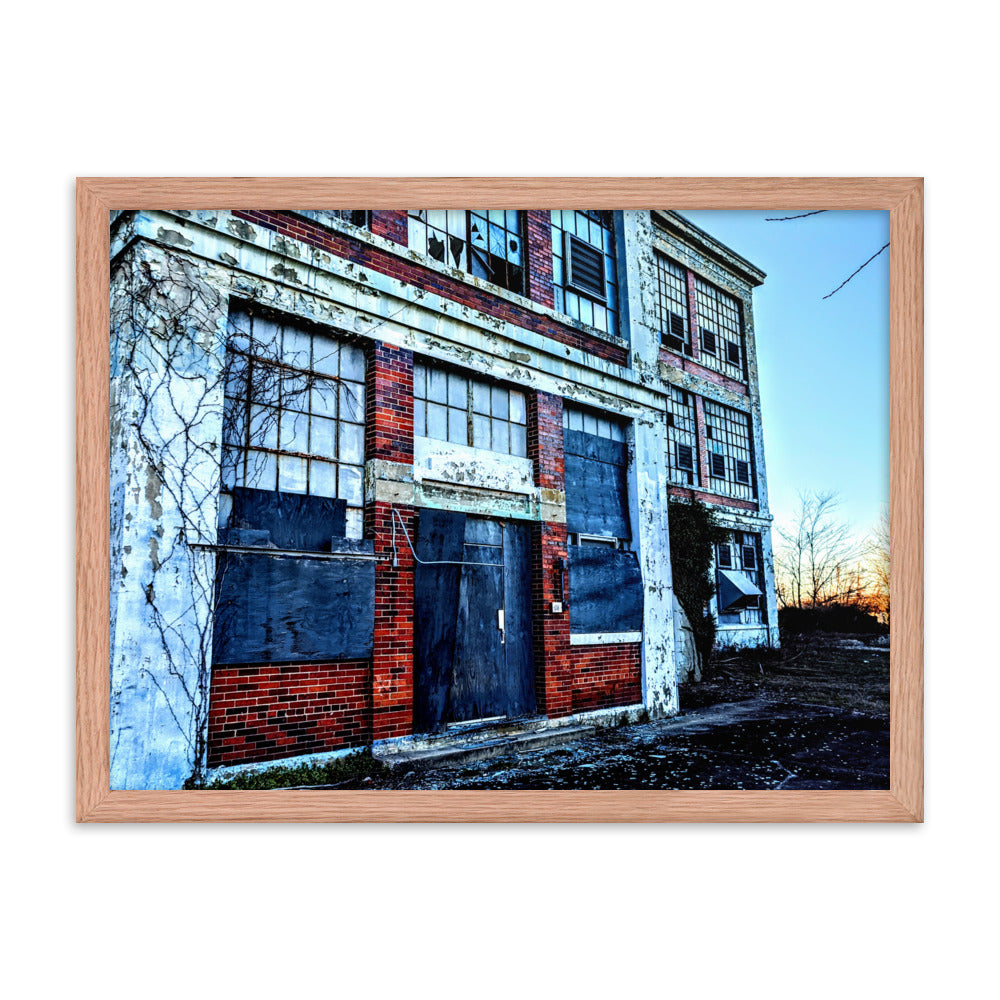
{"points": [[534, 503]]}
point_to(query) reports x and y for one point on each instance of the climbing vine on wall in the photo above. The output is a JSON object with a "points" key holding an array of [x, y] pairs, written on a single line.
{"points": [[694, 534]]}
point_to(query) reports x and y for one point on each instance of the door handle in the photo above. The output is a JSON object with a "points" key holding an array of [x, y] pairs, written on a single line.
{"points": [[500, 626]]}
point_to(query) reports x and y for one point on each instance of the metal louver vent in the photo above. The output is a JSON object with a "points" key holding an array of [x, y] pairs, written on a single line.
{"points": [[685, 457], [749, 557], [585, 268], [742, 471], [725, 557], [677, 325], [708, 341], [718, 466], [732, 352]]}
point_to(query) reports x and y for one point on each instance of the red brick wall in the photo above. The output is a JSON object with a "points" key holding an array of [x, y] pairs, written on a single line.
{"points": [[265, 712], [606, 676], [687, 493], [391, 225], [414, 274], [550, 631], [539, 233], [388, 403], [389, 436], [392, 654]]}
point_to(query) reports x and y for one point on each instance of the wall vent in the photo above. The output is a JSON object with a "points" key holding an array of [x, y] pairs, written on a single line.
{"points": [[718, 466], [708, 341], [584, 268], [742, 471], [685, 457]]}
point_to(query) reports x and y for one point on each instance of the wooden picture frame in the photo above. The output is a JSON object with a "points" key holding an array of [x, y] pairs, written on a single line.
{"points": [[903, 802]]}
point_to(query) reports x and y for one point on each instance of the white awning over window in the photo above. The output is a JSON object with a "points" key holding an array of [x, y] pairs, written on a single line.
{"points": [[735, 590]]}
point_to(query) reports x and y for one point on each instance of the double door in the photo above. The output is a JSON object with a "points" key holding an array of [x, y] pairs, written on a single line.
{"points": [[472, 620]]}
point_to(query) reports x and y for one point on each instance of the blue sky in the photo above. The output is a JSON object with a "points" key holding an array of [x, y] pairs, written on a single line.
{"points": [[824, 364]]}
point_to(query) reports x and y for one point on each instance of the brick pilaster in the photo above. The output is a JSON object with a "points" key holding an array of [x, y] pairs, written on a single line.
{"points": [[693, 317], [538, 230], [389, 437], [702, 441], [550, 631]]}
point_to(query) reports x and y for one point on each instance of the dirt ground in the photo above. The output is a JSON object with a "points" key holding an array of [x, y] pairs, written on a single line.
{"points": [[813, 715], [839, 671]]}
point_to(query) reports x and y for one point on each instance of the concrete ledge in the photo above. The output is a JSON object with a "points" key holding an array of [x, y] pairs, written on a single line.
{"points": [[603, 638], [452, 754]]}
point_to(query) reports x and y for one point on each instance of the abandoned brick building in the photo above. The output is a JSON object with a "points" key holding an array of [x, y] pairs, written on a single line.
{"points": [[378, 475]]}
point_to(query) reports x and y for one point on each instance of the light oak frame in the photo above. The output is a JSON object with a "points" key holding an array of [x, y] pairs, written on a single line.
{"points": [[903, 802]]}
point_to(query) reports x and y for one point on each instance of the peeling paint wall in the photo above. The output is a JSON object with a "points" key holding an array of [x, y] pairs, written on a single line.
{"points": [[168, 343]]}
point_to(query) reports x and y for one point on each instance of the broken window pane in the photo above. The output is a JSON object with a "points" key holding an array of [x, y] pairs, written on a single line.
{"points": [[488, 245]]}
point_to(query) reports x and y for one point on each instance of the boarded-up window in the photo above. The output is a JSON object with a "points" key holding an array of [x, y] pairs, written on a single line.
{"points": [[596, 484], [294, 579], [605, 584]]}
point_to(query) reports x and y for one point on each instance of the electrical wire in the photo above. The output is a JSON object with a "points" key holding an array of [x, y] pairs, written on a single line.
{"points": [[425, 562]]}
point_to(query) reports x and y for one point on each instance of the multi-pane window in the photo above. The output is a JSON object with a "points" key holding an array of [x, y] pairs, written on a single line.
{"points": [[294, 418], [720, 330], [741, 553], [591, 423], [449, 406], [730, 458], [487, 244], [682, 437], [672, 305], [584, 276], [356, 216]]}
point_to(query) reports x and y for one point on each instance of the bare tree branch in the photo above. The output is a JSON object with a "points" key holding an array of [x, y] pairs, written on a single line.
{"points": [[788, 218], [859, 270]]}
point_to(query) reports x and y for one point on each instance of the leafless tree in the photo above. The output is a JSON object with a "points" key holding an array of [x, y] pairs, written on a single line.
{"points": [[818, 560], [877, 567]]}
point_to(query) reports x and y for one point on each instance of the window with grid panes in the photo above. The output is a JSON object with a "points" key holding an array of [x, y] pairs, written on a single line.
{"points": [[360, 217], [672, 305], [584, 275], [720, 330], [741, 552], [450, 406], [682, 437], [294, 418], [730, 456], [487, 244]]}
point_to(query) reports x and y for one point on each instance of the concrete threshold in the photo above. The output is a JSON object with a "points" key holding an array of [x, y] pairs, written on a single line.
{"points": [[465, 745]]}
